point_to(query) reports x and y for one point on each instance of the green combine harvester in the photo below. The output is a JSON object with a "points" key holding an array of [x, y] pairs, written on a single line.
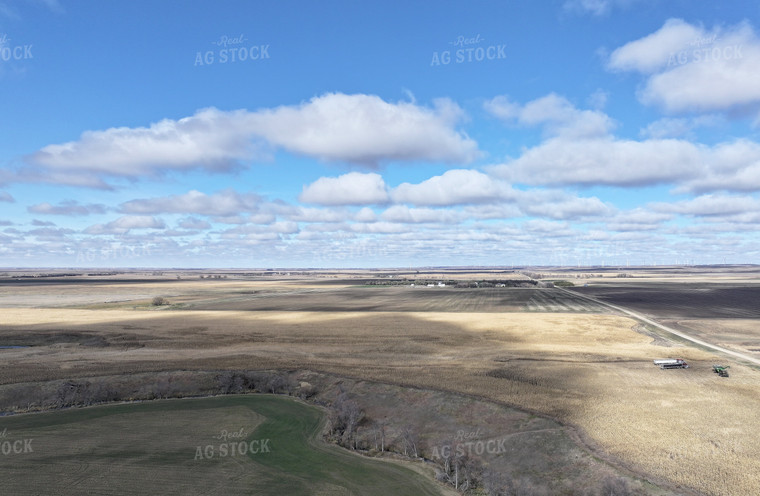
{"points": [[721, 370]]}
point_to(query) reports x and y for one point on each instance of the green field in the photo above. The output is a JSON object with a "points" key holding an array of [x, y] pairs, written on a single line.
{"points": [[163, 448]]}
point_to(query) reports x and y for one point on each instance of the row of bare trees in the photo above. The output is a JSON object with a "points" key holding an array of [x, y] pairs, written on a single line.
{"points": [[233, 382], [86, 392]]}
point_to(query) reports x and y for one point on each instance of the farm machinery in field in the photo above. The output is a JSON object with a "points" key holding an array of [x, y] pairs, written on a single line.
{"points": [[672, 363], [721, 370]]}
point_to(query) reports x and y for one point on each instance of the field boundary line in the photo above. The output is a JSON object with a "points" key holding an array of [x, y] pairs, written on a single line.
{"points": [[665, 328]]}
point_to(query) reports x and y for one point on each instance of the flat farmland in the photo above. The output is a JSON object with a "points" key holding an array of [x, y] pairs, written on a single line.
{"points": [[681, 301], [403, 299], [536, 349], [726, 315]]}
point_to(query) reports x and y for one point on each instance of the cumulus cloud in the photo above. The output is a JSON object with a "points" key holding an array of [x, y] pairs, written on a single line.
{"points": [[67, 207], [652, 52], [257, 232], [210, 139], [360, 129], [454, 187], [711, 206], [560, 205], [222, 203], [365, 215], [405, 215], [319, 215], [603, 159], [731, 166], [364, 129], [558, 116], [6, 197], [637, 219], [354, 188], [689, 68], [677, 127], [193, 223], [125, 224]]}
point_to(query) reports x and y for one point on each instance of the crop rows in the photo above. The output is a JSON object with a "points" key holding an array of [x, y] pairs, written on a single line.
{"points": [[555, 301]]}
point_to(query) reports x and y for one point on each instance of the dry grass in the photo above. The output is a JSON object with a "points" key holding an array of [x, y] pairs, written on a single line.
{"points": [[688, 427], [738, 334]]}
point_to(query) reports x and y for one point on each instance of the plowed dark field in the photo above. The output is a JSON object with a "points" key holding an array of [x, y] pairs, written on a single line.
{"points": [[682, 301]]}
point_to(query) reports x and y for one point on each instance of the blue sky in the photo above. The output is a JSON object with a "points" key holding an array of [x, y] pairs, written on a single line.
{"points": [[361, 134]]}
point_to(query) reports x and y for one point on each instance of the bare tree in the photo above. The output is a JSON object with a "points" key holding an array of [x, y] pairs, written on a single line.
{"points": [[345, 416], [410, 440], [232, 382], [353, 415], [275, 383], [378, 429]]}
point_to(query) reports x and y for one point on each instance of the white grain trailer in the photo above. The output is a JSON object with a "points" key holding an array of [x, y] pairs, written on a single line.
{"points": [[671, 363]]}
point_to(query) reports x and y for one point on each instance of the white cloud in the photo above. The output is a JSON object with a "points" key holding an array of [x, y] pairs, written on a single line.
{"points": [[319, 215], [552, 228], [502, 107], [558, 116], [637, 219], [366, 130], [360, 129], [677, 127], [67, 207], [6, 197], [210, 139], [365, 215], [193, 223], [561, 205], [232, 219], [259, 232], [222, 203], [604, 161], [380, 228], [652, 52], [692, 69], [405, 215], [125, 224], [732, 166], [454, 187], [493, 211], [354, 188], [711, 206]]}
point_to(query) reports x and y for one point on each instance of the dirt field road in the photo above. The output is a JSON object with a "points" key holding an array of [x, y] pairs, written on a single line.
{"points": [[670, 330]]}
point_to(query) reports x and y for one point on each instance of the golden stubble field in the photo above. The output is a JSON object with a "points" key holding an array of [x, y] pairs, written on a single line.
{"points": [[688, 427]]}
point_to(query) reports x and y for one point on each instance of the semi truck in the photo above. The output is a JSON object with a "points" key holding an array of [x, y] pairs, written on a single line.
{"points": [[672, 363]]}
